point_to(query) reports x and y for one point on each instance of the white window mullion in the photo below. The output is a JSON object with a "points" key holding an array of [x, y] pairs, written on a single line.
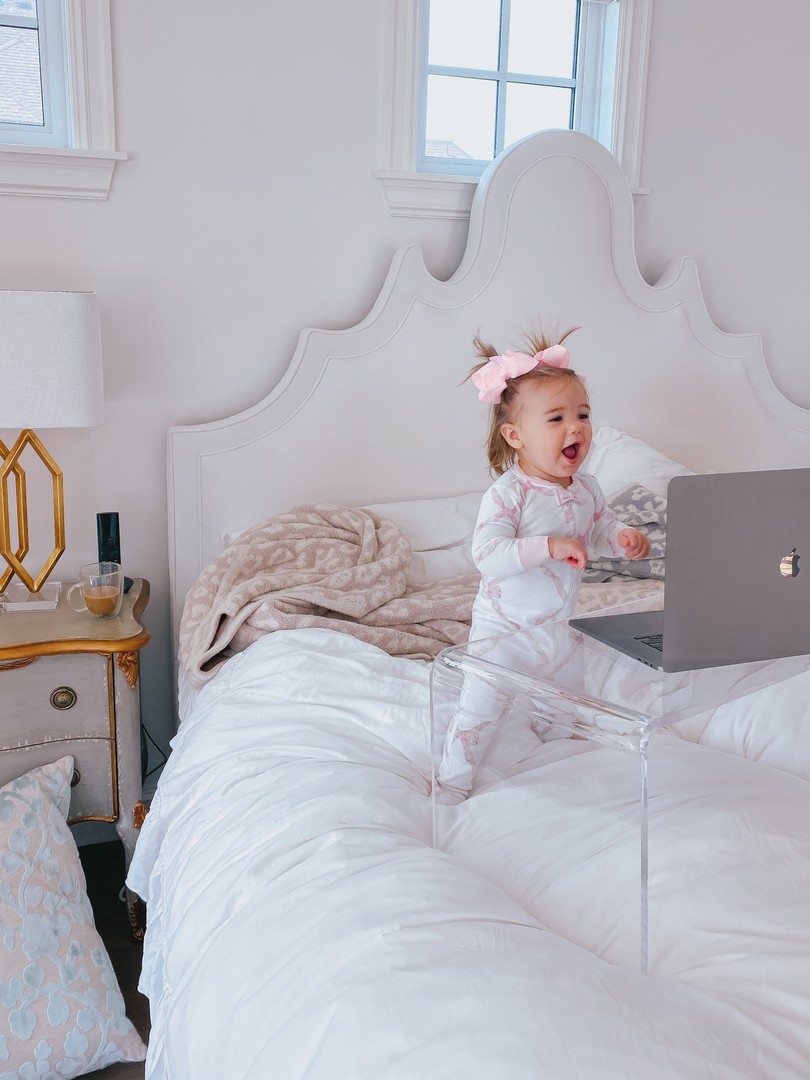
{"points": [[503, 68]]}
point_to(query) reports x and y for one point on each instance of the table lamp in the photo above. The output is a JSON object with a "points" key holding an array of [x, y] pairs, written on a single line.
{"points": [[50, 377]]}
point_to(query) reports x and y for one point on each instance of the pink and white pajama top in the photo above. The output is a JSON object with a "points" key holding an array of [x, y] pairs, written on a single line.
{"points": [[521, 585]]}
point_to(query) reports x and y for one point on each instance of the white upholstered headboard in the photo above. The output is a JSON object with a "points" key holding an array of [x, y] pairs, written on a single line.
{"points": [[378, 412]]}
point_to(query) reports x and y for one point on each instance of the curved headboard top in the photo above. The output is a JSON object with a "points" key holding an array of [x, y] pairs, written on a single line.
{"points": [[550, 244]]}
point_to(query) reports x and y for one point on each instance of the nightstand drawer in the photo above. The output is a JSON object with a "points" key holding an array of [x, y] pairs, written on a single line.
{"points": [[92, 797], [52, 695]]}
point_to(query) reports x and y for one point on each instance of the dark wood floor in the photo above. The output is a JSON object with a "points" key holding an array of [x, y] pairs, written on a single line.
{"points": [[104, 869]]}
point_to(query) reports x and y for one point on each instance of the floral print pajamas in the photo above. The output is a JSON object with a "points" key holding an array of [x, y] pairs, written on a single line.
{"points": [[521, 586]]}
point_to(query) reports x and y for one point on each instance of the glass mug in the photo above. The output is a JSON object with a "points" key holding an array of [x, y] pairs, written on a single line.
{"points": [[99, 590]]}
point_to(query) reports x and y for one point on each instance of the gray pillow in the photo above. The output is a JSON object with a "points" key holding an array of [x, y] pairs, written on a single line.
{"points": [[642, 509]]}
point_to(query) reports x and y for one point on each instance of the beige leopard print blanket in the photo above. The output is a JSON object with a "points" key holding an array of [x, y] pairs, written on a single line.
{"points": [[320, 565]]}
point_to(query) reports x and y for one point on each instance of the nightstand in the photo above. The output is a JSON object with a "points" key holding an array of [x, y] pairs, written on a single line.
{"points": [[69, 685]]}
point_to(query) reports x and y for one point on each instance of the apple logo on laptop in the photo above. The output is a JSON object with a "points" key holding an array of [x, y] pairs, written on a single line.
{"points": [[789, 564]]}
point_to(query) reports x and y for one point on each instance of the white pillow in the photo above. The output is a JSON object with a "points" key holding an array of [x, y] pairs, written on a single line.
{"points": [[617, 460], [439, 532], [61, 1011]]}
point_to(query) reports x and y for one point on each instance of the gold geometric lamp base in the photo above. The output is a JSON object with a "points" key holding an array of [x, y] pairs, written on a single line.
{"points": [[14, 554]]}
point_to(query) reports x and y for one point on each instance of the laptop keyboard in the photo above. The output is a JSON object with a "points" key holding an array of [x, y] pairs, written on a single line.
{"points": [[655, 641]]}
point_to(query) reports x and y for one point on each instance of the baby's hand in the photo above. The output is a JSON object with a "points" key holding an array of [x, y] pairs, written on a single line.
{"points": [[564, 549], [635, 543]]}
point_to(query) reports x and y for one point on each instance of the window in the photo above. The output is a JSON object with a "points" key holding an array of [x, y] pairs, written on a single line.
{"points": [[56, 110], [511, 72], [32, 75], [470, 77]]}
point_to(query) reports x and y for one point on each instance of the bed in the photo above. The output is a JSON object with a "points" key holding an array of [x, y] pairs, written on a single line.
{"points": [[301, 921]]}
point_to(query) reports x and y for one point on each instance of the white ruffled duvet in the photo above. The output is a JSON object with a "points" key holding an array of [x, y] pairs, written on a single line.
{"points": [[301, 926]]}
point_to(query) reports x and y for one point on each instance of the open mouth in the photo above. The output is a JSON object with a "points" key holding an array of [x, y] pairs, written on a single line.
{"points": [[571, 451]]}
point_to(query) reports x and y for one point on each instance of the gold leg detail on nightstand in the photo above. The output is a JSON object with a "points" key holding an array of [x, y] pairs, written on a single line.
{"points": [[139, 812], [127, 662], [135, 906], [137, 916]]}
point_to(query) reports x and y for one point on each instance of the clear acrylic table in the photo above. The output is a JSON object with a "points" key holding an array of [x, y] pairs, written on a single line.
{"points": [[492, 699]]}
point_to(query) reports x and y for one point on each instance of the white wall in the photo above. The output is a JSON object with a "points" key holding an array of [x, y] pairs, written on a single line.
{"points": [[726, 159], [248, 210]]}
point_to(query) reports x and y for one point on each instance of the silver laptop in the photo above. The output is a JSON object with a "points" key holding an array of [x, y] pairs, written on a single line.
{"points": [[737, 575]]}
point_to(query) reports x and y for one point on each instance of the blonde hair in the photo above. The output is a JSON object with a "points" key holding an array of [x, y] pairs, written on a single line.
{"points": [[501, 455]]}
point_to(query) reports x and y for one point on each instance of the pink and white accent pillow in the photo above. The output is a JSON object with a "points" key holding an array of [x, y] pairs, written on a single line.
{"points": [[61, 1011]]}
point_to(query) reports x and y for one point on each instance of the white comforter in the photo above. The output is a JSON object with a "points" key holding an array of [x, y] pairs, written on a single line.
{"points": [[301, 926]]}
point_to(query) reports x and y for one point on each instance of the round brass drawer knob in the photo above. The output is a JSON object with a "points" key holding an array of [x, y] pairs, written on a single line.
{"points": [[76, 778], [63, 697]]}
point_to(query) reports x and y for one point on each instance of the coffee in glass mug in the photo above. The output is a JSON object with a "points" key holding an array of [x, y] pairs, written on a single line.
{"points": [[99, 590]]}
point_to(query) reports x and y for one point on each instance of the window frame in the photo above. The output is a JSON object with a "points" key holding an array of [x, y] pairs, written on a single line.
{"points": [[411, 193], [47, 24], [502, 76], [84, 168]]}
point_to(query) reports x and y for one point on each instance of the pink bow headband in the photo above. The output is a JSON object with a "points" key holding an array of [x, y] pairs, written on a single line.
{"points": [[491, 379]]}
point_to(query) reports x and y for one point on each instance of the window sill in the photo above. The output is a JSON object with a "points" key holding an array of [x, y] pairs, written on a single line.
{"points": [[428, 195], [431, 195], [67, 174]]}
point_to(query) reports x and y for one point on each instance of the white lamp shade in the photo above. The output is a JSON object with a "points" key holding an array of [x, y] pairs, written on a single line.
{"points": [[50, 360]]}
